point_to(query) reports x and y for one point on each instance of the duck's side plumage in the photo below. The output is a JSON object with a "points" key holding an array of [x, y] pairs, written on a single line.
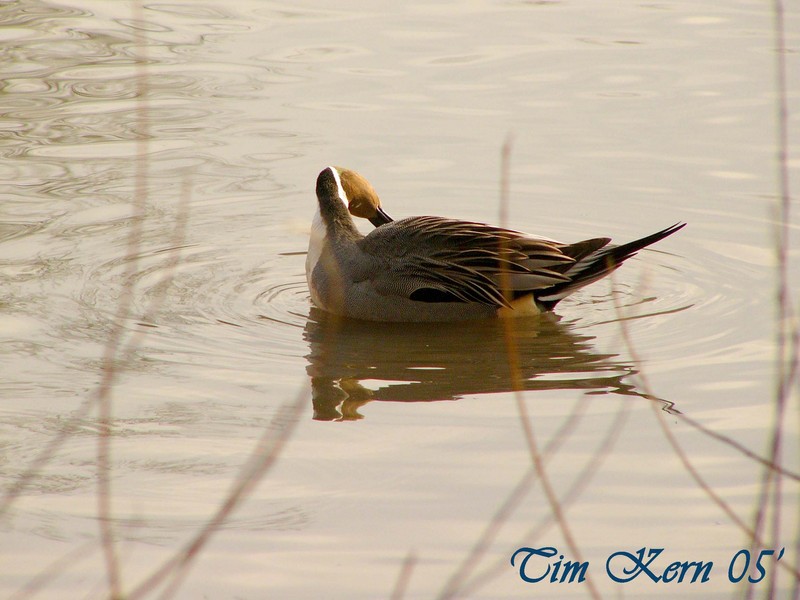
{"points": [[462, 261], [433, 259]]}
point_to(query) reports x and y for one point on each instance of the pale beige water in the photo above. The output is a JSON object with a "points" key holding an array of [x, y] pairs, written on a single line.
{"points": [[625, 118]]}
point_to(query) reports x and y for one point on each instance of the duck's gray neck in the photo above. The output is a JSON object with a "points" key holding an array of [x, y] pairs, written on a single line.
{"points": [[333, 206], [338, 222]]}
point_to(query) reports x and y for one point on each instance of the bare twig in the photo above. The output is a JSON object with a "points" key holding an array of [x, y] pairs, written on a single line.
{"points": [[516, 380], [751, 533], [263, 457], [114, 344], [115, 354], [584, 477], [728, 441], [404, 577], [70, 425], [454, 583], [771, 486], [37, 464], [53, 570]]}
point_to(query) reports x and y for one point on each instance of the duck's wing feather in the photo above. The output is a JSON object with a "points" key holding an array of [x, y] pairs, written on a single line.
{"points": [[433, 259]]}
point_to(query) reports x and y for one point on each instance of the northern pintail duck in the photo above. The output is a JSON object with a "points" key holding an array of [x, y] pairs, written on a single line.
{"points": [[438, 269]]}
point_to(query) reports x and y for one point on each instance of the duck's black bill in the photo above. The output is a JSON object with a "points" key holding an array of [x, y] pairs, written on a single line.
{"points": [[380, 218]]}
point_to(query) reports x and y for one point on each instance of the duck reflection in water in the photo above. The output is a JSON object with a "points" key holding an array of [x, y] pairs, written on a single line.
{"points": [[423, 363]]}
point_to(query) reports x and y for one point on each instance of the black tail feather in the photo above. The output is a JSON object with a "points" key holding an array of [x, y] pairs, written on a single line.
{"points": [[597, 265]]}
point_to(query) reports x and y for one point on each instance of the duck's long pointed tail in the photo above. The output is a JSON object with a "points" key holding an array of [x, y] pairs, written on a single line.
{"points": [[597, 265]]}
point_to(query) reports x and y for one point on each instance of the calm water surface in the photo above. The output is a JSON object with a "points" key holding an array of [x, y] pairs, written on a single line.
{"points": [[625, 119]]}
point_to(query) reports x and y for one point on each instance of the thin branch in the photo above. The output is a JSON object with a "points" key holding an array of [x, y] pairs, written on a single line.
{"points": [[53, 570], [70, 425], [751, 533], [728, 441], [404, 577], [110, 363], [511, 503], [579, 484], [771, 486], [512, 352], [262, 459]]}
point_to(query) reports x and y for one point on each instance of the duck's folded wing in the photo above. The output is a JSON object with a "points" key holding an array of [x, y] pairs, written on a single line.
{"points": [[431, 259]]}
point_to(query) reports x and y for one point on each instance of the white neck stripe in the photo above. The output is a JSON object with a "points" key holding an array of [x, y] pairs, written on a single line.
{"points": [[342, 194]]}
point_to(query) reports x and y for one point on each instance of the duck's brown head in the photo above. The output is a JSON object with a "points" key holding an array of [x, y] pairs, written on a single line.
{"points": [[363, 200]]}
